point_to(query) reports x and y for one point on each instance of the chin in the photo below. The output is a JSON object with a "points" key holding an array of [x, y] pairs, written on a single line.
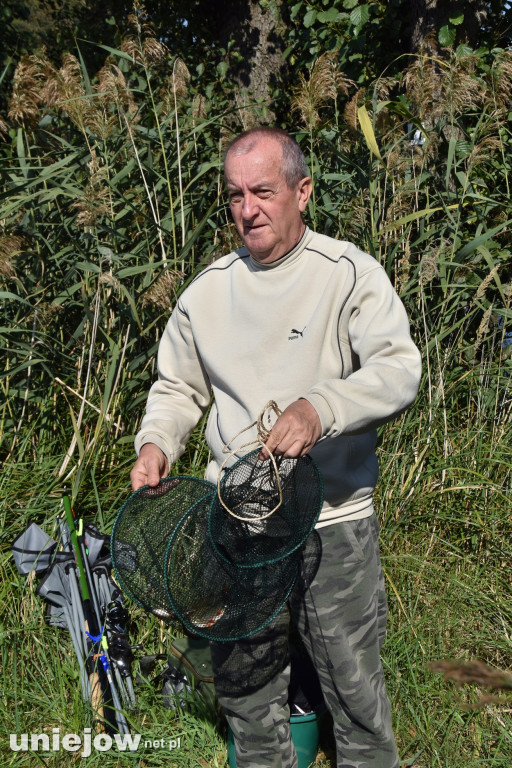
{"points": [[260, 251]]}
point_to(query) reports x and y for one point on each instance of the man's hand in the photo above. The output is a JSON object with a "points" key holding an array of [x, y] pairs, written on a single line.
{"points": [[150, 467], [295, 432]]}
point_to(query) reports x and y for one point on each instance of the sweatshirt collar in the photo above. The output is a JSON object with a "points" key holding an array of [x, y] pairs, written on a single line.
{"points": [[288, 258]]}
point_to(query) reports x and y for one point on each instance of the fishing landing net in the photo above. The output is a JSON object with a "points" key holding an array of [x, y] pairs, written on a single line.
{"points": [[222, 560]]}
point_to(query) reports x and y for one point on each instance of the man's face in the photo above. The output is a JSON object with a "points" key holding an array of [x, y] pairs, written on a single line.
{"points": [[267, 213]]}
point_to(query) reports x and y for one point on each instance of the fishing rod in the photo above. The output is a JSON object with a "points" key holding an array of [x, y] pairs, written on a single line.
{"points": [[115, 621], [83, 598], [104, 697]]}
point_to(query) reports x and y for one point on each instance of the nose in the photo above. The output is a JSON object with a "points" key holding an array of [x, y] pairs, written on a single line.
{"points": [[249, 206]]}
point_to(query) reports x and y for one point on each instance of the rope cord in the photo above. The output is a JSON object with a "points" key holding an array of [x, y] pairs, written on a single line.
{"points": [[263, 435]]}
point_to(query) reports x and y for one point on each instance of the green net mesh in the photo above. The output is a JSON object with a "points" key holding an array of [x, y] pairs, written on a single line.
{"points": [[141, 534], [222, 560], [268, 515], [213, 598], [250, 663]]}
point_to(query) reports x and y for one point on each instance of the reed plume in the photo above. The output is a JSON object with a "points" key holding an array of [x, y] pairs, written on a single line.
{"points": [[140, 42], [10, 247], [28, 88], [322, 86]]}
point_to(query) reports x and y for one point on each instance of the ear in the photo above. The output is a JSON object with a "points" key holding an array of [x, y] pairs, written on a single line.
{"points": [[304, 190]]}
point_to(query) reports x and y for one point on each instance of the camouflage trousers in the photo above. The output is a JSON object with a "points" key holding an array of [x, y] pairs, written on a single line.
{"points": [[340, 614]]}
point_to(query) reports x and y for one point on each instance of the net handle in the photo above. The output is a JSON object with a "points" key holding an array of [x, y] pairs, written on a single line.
{"points": [[263, 434]]}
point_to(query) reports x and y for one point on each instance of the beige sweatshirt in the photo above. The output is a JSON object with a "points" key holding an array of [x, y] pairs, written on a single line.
{"points": [[323, 323]]}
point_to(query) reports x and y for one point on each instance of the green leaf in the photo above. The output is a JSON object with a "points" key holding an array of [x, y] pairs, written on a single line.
{"points": [[328, 17], [410, 217], [478, 241], [349, 4], [457, 20], [446, 35], [85, 74], [360, 15], [115, 52], [463, 50], [20, 144], [122, 173], [309, 18], [8, 296], [451, 155], [463, 148], [222, 68], [137, 270], [295, 10]]}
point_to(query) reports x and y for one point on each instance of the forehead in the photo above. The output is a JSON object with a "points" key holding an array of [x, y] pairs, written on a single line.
{"points": [[254, 162]]}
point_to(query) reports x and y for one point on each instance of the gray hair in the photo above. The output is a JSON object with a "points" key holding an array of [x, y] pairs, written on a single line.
{"points": [[293, 164]]}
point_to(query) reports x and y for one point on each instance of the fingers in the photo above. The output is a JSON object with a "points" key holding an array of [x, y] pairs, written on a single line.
{"points": [[149, 468], [295, 432]]}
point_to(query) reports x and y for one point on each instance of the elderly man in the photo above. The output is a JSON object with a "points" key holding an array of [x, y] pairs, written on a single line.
{"points": [[314, 324]]}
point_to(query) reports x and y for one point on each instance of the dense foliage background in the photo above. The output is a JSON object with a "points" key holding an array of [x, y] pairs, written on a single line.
{"points": [[113, 126]]}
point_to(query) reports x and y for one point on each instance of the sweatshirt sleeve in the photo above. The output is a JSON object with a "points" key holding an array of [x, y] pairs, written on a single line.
{"points": [[385, 363], [181, 394]]}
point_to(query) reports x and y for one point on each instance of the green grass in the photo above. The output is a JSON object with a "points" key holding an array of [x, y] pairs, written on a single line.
{"points": [[445, 555]]}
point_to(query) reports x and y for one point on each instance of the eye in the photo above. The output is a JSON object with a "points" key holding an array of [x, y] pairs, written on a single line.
{"points": [[235, 198], [264, 194]]}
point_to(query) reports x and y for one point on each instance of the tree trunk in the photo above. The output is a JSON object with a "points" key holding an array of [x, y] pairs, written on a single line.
{"points": [[426, 17], [423, 22], [258, 36]]}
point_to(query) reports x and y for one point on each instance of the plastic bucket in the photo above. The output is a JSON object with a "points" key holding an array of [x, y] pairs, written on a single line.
{"points": [[305, 737]]}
